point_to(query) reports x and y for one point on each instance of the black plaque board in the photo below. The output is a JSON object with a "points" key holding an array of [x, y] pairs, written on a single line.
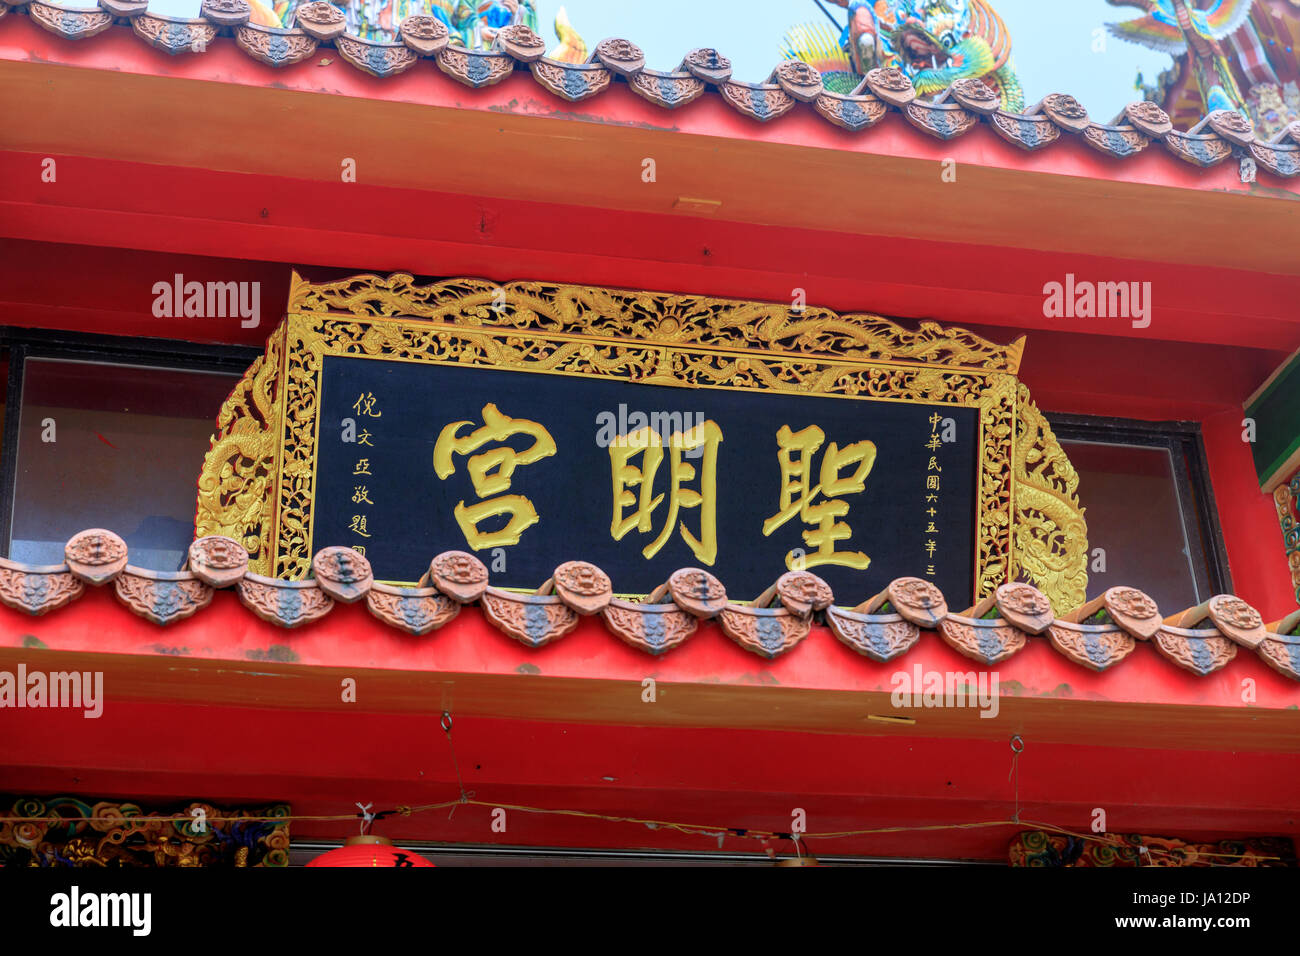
{"points": [[408, 509]]}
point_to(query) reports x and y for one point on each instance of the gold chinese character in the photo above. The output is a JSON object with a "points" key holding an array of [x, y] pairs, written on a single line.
{"points": [[359, 549], [931, 529], [929, 548], [934, 442], [490, 473], [364, 438], [365, 405], [931, 484], [795, 455], [647, 443], [935, 419], [363, 467], [358, 526], [934, 465], [361, 495]]}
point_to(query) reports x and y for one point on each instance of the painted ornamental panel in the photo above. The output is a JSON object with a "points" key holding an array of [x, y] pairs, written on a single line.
{"points": [[534, 423]]}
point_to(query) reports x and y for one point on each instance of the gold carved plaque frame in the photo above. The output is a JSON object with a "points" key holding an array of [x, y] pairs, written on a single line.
{"points": [[258, 479]]}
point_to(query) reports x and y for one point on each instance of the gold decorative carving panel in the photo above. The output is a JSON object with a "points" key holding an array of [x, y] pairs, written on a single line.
{"points": [[258, 479]]}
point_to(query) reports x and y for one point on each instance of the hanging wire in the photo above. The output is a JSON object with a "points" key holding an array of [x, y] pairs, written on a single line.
{"points": [[763, 836], [1017, 745], [446, 724]]}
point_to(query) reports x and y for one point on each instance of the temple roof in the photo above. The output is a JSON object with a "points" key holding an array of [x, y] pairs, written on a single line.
{"points": [[885, 95], [1097, 636]]}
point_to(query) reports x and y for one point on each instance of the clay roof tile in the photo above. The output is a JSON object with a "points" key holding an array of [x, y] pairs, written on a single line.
{"points": [[1097, 635]]}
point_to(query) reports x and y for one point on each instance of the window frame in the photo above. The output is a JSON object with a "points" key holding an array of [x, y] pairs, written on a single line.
{"points": [[1196, 505], [24, 344]]}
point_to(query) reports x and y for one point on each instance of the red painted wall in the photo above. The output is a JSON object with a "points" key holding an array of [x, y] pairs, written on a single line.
{"points": [[1251, 531]]}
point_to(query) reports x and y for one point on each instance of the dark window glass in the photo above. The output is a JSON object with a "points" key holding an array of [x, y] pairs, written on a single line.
{"points": [[1149, 505], [128, 443], [1132, 506]]}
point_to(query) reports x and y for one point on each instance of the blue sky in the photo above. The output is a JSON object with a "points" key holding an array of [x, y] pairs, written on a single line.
{"points": [[1052, 40]]}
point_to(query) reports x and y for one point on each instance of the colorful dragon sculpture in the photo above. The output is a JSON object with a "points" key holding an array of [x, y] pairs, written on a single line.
{"points": [[472, 23], [934, 42], [1178, 27], [1228, 54]]}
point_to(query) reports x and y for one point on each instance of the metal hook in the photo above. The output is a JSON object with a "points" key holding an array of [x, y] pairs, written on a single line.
{"points": [[1017, 743], [446, 722]]}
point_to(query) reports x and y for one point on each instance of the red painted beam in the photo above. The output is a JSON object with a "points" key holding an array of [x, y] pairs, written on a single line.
{"points": [[204, 212], [1107, 374], [323, 762]]}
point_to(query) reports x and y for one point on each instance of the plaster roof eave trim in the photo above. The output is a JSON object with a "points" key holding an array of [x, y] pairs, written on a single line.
{"points": [[1097, 635]]}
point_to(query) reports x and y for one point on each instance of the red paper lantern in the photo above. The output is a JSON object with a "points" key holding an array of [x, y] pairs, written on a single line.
{"points": [[369, 851]]}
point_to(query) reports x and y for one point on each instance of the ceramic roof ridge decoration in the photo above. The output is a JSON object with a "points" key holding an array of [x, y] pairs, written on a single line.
{"points": [[1095, 646], [583, 587], [414, 610], [1131, 617], [1280, 650], [987, 640], [217, 560], [881, 637], [532, 619], [780, 617], [342, 573], [1127, 607], [1202, 651], [38, 589], [695, 591], [948, 114], [1097, 635], [653, 628], [284, 603], [162, 596]]}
